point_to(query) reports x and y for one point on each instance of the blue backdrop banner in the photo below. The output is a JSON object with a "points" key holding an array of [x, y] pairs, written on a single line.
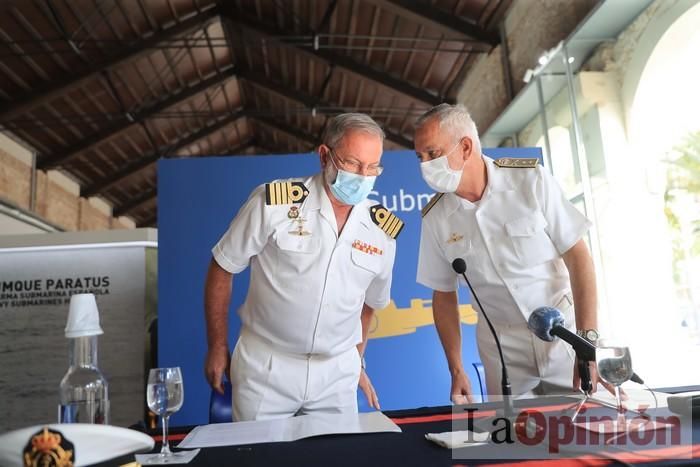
{"points": [[198, 198]]}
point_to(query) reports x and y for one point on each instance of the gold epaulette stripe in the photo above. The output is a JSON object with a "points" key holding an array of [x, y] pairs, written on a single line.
{"points": [[285, 193], [433, 201], [511, 162], [386, 220]]}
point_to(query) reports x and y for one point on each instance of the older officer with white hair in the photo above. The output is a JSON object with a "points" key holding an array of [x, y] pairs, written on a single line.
{"points": [[321, 257], [522, 241]]}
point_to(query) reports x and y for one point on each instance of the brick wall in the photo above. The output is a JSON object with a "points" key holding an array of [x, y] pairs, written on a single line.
{"points": [[57, 199], [14, 180]]}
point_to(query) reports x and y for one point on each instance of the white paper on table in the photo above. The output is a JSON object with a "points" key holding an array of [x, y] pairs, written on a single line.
{"points": [[231, 434], [286, 429]]}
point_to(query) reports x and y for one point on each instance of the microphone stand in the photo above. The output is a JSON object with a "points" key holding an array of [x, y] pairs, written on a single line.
{"points": [[585, 353], [586, 386], [508, 411]]}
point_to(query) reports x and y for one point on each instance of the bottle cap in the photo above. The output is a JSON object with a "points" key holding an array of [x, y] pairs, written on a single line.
{"points": [[83, 317]]}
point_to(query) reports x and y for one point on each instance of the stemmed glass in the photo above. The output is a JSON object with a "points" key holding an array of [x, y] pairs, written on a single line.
{"points": [[164, 395], [615, 367]]}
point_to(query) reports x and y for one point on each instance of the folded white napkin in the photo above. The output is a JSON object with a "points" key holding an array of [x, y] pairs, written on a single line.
{"points": [[458, 439]]}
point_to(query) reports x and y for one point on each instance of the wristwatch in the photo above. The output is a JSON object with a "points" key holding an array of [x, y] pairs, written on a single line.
{"points": [[363, 364], [591, 335]]}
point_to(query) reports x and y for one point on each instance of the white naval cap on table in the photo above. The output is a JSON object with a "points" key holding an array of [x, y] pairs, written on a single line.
{"points": [[91, 444]]}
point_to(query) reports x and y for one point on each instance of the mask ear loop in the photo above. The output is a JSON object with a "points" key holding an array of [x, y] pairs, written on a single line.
{"points": [[330, 157], [464, 162]]}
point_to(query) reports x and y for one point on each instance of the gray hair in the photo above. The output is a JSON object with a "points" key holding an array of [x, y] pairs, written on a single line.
{"points": [[454, 119], [341, 124]]}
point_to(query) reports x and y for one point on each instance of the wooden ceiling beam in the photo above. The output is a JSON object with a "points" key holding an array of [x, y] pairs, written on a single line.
{"points": [[149, 222], [61, 158], [106, 183], [311, 101], [421, 12], [341, 60], [286, 128], [136, 203], [47, 92]]}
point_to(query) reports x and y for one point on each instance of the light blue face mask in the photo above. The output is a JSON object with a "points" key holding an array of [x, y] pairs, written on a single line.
{"points": [[350, 188]]}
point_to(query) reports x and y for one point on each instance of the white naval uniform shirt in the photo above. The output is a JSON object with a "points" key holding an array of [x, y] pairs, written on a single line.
{"points": [[306, 292], [512, 241]]}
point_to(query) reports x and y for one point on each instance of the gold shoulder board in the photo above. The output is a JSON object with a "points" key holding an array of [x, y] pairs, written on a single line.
{"points": [[385, 220], [433, 201], [511, 162], [285, 193]]}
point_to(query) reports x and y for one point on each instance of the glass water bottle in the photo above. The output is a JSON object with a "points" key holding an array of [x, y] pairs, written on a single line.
{"points": [[84, 397]]}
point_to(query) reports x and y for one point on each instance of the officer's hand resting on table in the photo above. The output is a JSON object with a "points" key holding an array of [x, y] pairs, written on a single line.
{"points": [[461, 392], [217, 362], [366, 385]]}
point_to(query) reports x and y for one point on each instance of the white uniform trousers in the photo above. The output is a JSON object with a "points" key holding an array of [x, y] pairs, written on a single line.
{"points": [[267, 383], [535, 367]]}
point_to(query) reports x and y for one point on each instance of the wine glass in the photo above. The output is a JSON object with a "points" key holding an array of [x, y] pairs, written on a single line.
{"points": [[615, 367], [164, 395]]}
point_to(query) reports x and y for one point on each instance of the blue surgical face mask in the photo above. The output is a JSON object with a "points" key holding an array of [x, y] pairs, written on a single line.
{"points": [[349, 188]]}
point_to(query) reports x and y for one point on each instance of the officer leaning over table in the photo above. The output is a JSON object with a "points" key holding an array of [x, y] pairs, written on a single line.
{"points": [[321, 256], [523, 243]]}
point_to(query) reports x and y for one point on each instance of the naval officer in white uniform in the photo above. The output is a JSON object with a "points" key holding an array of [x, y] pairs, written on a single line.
{"points": [[522, 241], [321, 257]]}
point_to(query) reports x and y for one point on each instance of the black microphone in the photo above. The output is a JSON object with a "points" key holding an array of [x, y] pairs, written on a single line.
{"points": [[460, 267], [548, 322]]}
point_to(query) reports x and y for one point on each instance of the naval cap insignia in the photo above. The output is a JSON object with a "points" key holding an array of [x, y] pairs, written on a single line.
{"points": [[48, 448]]}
